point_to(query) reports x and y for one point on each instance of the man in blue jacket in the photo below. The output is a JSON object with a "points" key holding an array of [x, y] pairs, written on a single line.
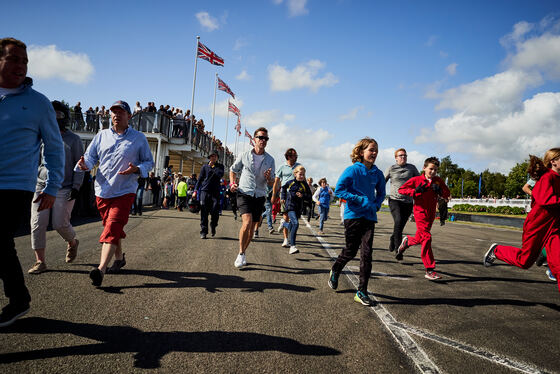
{"points": [[27, 119], [208, 188]]}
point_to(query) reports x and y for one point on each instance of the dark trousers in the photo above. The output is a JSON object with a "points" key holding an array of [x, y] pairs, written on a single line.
{"points": [[155, 197], [209, 204], [138, 200], [358, 233], [400, 212], [17, 204]]}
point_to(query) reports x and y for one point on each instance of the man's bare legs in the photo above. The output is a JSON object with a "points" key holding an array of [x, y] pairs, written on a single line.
{"points": [[246, 232], [107, 252]]}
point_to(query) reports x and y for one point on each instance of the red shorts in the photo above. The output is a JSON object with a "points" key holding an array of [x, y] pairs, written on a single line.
{"points": [[114, 213]]}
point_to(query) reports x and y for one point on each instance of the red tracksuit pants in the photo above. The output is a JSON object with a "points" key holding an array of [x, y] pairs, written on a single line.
{"points": [[424, 221], [532, 243]]}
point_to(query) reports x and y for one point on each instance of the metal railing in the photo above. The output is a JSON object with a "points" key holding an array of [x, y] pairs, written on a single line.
{"points": [[155, 123]]}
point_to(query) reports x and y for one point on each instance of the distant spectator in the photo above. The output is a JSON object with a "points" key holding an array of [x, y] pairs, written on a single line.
{"points": [[90, 119], [138, 107], [78, 117]]}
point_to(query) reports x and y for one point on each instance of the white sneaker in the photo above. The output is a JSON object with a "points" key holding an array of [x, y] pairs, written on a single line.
{"points": [[293, 249], [281, 225], [285, 244], [240, 260]]}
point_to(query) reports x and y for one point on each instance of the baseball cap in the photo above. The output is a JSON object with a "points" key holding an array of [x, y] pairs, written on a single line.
{"points": [[214, 152], [121, 104]]}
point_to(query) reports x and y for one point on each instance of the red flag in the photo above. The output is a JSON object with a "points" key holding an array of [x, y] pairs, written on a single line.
{"points": [[232, 108], [248, 135], [222, 86], [238, 126], [206, 54]]}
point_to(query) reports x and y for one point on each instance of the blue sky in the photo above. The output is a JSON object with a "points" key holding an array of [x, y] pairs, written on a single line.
{"points": [[475, 80]]}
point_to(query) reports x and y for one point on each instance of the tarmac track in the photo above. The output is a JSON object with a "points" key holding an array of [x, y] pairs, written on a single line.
{"points": [[180, 305]]}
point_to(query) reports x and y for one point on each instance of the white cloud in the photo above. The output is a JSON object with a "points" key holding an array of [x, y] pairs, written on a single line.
{"points": [[431, 40], [208, 22], [239, 43], [452, 68], [302, 76], [295, 7], [443, 54], [352, 114], [47, 62], [492, 118], [243, 76]]}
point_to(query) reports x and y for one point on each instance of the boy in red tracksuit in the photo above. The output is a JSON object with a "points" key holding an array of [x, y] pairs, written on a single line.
{"points": [[542, 225], [425, 189]]}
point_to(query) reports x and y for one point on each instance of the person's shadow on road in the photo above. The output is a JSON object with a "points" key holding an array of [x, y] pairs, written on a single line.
{"points": [[149, 347]]}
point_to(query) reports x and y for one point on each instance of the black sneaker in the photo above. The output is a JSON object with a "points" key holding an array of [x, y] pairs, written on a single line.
{"points": [[489, 257], [96, 277], [203, 236], [213, 231], [11, 312], [363, 298], [540, 260], [333, 280], [117, 265]]}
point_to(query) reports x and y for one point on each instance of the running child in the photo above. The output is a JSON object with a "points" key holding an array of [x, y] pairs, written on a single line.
{"points": [[542, 225], [362, 185], [322, 197], [295, 192], [425, 189]]}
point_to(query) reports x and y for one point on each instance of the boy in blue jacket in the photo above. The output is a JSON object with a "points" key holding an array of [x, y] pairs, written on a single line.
{"points": [[296, 193], [362, 185]]}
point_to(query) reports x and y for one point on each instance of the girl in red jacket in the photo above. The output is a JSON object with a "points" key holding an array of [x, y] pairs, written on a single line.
{"points": [[425, 189], [542, 225]]}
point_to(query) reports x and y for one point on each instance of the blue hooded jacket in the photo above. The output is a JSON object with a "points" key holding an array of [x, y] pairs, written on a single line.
{"points": [[363, 189], [27, 118]]}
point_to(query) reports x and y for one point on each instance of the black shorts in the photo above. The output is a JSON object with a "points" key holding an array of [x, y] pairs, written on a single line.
{"points": [[249, 204]]}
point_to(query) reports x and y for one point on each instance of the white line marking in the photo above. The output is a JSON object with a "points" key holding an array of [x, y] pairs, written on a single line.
{"points": [[378, 274], [409, 346], [399, 331]]}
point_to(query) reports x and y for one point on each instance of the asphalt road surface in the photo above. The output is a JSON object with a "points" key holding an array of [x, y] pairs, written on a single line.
{"points": [[180, 306]]}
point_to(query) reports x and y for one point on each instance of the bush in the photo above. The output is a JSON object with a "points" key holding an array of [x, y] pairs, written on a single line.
{"points": [[510, 210]]}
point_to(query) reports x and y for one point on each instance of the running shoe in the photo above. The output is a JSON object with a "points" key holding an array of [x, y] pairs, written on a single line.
{"points": [[432, 275], [293, 250], [285, 243], [213, 231], [333, 280], [11, 312], [72, 251], [363, 298], [321, 232], [117, 266], [256, 234], [240, 260], [550, 275], [271, 230], [96, 277], [489, 257], [202, 236], [402, 247], [38, 268]]}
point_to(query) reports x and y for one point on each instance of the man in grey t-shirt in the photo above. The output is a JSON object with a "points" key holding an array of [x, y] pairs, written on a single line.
{"points": [[400, 205]]}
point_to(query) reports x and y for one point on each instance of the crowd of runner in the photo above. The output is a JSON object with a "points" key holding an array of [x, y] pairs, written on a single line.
{"points": [[43, 163]]}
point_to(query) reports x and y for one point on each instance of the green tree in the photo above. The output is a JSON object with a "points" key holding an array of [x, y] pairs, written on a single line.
{"points": [[516, 179], [493, 184]]}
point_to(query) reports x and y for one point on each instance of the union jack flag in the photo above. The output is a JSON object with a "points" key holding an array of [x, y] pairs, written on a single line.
{"points": [[206, 54], [238, 126], [232, 108], [222, 86], [248, 135]]}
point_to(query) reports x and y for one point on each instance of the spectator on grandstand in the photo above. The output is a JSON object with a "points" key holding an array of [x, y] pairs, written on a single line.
{"points": [[78, 117], [138, 107]]}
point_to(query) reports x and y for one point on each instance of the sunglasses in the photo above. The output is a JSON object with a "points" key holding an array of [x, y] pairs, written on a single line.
{"points": [[265, 138]]}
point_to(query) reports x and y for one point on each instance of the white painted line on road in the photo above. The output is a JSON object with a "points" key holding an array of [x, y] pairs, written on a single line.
{"points": [[480, 353], [400, 332], [378, 274], [409, 346]]}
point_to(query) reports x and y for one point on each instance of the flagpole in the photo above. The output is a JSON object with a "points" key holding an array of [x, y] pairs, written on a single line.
{"points": [[236, 142], [214, 108], [227, 123], [194, 78], [244, 138]]}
